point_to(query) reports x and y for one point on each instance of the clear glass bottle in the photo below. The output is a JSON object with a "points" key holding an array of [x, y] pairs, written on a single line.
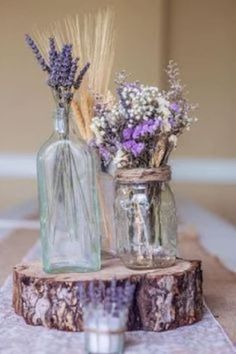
{"points": [[69, 215], [146, 225]]}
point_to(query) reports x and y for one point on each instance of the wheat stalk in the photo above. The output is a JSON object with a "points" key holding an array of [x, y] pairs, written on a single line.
{"points": [[93, 42]]}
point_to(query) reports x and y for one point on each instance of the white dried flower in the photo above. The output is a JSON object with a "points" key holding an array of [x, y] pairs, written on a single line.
{"points": [[97, 133], [173, 139], [121, 158]]}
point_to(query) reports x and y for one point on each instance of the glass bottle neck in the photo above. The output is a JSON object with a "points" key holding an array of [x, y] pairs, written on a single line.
{"points": [[62, 121]]}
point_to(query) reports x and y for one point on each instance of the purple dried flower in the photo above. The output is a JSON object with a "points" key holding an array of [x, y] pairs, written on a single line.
{"points": [[133, 125], [172, 122], [128, 292], [81, 76], [137, 149], [153, 125], [62, 70], [148, 127], [113, 290], [145, 128], [175, 107], [66, 64], [157, 123], [91, 292], [101, 287], [82, 294], [107, 300], [137, 131], [127, 133], [125, 103], [120, 298], [36, 51], [73, 69], [54, 77], [52, 52], [128, 145], [134, 147], [113, 298], [104, 153]]}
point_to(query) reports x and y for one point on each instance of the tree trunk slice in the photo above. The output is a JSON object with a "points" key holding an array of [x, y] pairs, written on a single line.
{"points": [[163, 299]]}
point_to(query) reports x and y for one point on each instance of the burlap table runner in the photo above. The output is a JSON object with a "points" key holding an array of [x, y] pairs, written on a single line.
{"points": [[13, 249], [219, 284]]}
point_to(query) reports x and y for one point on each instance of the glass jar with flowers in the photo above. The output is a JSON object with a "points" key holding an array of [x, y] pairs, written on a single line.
{"points": [[136, 136], [69, 217]]}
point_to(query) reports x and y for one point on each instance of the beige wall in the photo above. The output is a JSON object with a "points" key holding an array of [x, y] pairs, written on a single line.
{"points": [[199, 34], [202, 39], [25, 100], [15, 192]]}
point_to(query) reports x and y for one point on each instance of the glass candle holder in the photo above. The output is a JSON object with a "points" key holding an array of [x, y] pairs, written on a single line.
{"points": [[104, 333]]}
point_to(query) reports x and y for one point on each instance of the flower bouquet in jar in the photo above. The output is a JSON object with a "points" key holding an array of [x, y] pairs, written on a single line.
{"points": [[135, 136]]}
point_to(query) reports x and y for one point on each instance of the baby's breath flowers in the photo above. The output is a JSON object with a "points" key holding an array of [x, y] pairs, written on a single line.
{"points": [[62, 69], [180, 107], [130, 131]]}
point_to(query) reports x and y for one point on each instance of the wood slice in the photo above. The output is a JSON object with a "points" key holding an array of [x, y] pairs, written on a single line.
{"points": [[163, 299]]}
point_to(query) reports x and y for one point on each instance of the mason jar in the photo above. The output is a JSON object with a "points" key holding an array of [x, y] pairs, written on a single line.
{"points": [[145, 218]]}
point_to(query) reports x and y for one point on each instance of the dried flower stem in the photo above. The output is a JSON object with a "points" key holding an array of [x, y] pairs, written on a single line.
{"points": [[76, 109], [96, 44]]}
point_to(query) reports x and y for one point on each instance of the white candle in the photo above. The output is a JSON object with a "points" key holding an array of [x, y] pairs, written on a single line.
{"points": [[105, 335]]}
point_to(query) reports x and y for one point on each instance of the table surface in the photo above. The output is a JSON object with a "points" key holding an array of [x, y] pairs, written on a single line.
{"points": [[203, 235]]}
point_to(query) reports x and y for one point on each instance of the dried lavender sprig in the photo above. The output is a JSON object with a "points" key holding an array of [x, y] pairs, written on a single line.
{"points": [[82, 294], [128, 292], [54, 77], [107, 301], [73, 69], [100, 291], [52, 52], [120, 298], [61, 67], [62, 70], [113, 298], [80, 77], [113, 290], [91, 292], [42, 62], [66, 64]]}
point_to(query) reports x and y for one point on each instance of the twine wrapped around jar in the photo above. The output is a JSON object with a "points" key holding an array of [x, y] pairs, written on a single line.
{"points": [[142, 175], [145, 217]]}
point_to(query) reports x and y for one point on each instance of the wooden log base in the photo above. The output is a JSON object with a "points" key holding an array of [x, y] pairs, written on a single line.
{"points": [[164, 298]]}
